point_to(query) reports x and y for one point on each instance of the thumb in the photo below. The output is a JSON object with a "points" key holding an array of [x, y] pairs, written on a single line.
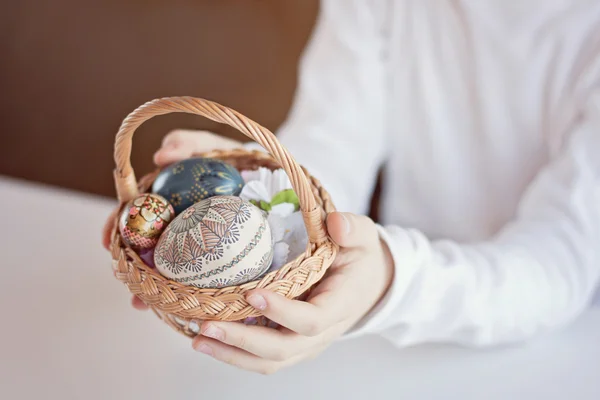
{"points": [[350, 230]]}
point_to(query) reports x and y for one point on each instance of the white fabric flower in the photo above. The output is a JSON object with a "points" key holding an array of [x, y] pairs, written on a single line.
{"points": [[282, 210], [264, 187], [295, 235], [290, 237], [263, 184], [280, 247]]}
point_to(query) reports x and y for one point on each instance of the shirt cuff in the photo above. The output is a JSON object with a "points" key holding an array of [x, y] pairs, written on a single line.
{"points": [[403, 255]]}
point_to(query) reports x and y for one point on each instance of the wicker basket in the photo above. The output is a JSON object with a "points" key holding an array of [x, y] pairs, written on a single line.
{"points": [[177, 304]]}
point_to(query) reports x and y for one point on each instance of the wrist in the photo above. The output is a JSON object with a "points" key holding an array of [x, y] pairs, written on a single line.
{"points": [[379, 280], [381, 277], [388, 268]]}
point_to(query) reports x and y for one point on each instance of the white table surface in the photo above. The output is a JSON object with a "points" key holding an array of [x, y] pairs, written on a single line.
{"points": [[68, 332]]}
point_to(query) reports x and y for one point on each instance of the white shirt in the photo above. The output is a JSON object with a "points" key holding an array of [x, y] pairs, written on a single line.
{"points": [[486, 117]]}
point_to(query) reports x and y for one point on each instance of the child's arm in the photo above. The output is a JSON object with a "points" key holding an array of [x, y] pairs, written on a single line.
{"points": [[539, 272], [542, 269]]}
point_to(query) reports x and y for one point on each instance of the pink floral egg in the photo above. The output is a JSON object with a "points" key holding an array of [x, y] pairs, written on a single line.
{"points": [[144, 219], [217, 242]]}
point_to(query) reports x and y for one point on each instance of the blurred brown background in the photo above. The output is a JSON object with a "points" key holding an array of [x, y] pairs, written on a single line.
{"points": [[72, 70]]}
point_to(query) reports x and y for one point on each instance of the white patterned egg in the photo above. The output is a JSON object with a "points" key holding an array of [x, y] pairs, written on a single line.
{"points": [[217, 242]]}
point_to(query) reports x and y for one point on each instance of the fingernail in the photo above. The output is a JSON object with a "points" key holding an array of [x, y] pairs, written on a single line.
{"points": [[257, 301], [206, 349], [214, 332], [346, 223]]}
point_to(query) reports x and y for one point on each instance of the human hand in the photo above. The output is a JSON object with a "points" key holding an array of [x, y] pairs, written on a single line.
{"points": [[180, 144], [357, 280], [176, 146]]}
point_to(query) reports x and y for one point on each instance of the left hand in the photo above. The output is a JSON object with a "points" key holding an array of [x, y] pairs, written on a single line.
{"points": [[358, 278]]}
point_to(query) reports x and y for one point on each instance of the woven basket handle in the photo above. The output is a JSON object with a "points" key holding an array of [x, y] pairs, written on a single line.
{"points": [[126, 183]]}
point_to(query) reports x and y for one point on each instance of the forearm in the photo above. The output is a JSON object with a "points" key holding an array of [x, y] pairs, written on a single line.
{"points": [[539, 272]]}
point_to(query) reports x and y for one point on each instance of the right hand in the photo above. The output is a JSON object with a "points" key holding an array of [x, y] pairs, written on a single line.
{"points": [[178, 145]]}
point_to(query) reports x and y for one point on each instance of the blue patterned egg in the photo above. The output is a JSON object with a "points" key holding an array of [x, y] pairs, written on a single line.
{"points": [[217, 242], [189, 181]]}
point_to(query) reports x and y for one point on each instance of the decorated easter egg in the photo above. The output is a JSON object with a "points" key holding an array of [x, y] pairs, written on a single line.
{"points": [[189, 181], [217, 242], [144, 219]]}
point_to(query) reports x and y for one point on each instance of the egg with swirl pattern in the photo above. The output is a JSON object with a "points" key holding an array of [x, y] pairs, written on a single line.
{"points": [[192, 180]]}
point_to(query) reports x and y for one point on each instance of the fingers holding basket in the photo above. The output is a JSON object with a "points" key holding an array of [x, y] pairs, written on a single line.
{"points": [[242, 359], [267, 343], [307, 328], [255, 348], [312, 318]]}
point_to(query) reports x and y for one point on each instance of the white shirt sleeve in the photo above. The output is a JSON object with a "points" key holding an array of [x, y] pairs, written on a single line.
{"points": [[538, 273], [335, 127]]}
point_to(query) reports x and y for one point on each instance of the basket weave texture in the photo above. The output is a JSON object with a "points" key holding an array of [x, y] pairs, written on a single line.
{"points": [[177, 304]]}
